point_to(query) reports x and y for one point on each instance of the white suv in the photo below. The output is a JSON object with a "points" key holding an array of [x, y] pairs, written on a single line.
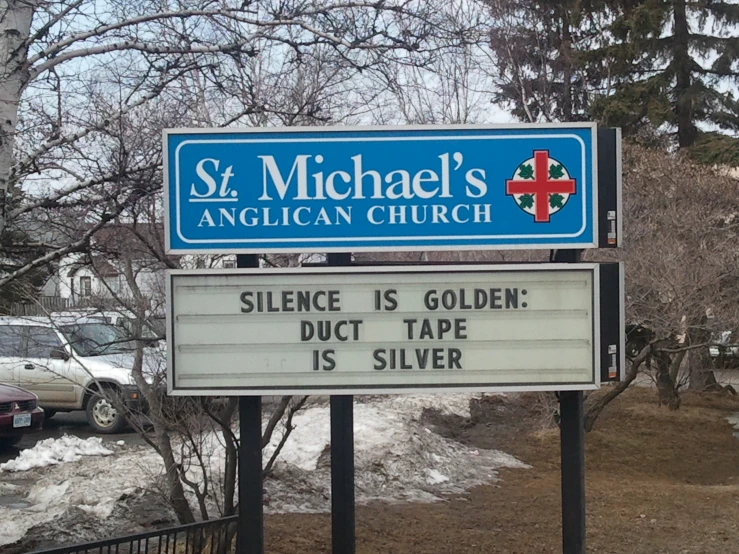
{"points": [[71, 364]]}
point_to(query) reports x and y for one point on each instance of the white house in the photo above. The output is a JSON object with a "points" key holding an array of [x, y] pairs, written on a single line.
{"points": [[82, 279]]}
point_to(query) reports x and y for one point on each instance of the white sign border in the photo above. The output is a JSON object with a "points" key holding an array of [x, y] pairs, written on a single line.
{"points": [[317, 244], [594, 268]]}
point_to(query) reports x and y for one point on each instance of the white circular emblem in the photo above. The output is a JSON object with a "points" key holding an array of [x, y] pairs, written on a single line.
{"points": [[526, 171]]}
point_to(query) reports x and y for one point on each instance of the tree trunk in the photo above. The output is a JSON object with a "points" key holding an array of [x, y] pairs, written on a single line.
{"points": [[686, 129], [15, 28], [675, 364], [701, 367], [177, 499], [702, 379], [701, 373], [175, 490], [232, 463], [566, 55], [595, 403], [666, 389]]}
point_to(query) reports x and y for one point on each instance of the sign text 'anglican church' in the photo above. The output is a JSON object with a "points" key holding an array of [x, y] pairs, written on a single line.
{"points": [[364, 189]]}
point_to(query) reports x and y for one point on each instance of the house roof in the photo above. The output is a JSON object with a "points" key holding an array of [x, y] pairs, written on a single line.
{"points": [[100, 265], [137, 241]]}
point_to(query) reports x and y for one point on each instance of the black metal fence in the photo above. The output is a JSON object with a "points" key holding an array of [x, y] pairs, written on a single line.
{"points": [[217, 536]]}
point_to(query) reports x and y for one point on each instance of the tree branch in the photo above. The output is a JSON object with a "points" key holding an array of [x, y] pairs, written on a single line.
{"points": [[55, 255], [275, 419], [288, 430]]}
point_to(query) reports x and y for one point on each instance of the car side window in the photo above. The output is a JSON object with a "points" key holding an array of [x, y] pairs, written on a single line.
{"points": [[41, 341], [11, 341]]}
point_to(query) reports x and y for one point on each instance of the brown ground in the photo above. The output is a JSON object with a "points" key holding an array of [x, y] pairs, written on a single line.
{"points": [[657, 482]]}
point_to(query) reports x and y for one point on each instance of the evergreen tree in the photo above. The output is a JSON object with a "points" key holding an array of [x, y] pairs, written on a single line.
{"points": [[642, 65], [538, 50], [674, 63], [16, 250]]}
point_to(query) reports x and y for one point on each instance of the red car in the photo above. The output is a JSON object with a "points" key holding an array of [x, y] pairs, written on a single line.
{"points": [[19, 414]]}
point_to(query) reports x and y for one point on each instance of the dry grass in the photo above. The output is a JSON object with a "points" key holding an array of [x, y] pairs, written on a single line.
{"points": [[658, 482]]}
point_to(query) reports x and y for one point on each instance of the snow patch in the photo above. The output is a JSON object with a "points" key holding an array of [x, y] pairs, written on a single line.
{"points": [[93, 485], [41, 497], [435, 478], [397, 458], [101, 510], [733, 420], [8, 488], [56, 451]]}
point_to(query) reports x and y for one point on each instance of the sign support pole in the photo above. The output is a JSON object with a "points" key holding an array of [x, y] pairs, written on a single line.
{"points": [[342, 458], [572, 453], [250, 536], [573, 472]]}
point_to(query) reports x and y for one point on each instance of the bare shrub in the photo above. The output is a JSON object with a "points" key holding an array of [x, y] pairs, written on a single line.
{"points": [[681, 228]]}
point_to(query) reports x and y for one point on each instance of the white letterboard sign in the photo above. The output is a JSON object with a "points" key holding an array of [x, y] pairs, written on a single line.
{"points": [[368, 330]]}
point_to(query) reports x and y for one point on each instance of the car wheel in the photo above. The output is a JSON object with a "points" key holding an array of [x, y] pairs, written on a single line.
{"points": [[48, 414], [103, 416]]}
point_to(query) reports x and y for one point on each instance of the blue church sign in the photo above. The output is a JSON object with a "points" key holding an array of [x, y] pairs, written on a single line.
{"points": [[381, 188]]}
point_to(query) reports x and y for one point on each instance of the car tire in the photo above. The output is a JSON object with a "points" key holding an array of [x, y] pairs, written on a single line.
{"points": [[48, 414], [103, 416]]}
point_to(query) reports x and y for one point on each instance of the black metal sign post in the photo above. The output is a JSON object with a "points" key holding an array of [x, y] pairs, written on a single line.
{"points": [[342, 458], [572, 433], [572, 453], [250, 536], [573, 472]]}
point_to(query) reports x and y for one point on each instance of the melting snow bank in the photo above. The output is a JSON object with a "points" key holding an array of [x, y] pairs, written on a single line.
{"points": [[397, 457], [112, 490], [67, 502], [56, 451], [733, 420]]}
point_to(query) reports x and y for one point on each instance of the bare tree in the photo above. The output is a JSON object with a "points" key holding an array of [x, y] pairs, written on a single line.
{"points": [[681, 227], [449, 86], [195, 438], [84, 94], [71, 70]]}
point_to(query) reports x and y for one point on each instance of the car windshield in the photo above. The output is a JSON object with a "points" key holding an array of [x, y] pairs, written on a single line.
{"points": [[97, 339]]}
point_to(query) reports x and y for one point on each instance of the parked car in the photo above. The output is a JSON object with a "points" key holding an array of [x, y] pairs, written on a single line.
{"points": [[19, 414], [725, 355], [123, 319], [72, 363]]}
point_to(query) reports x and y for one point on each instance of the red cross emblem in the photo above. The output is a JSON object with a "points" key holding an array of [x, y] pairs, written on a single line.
{"points": [[541, 186]]}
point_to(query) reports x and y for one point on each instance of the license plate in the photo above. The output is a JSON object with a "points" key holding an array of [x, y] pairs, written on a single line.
{"points": [[22, 420]]}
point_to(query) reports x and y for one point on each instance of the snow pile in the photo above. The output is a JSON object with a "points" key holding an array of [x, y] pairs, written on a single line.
{"points": [[56, 451], [397, 458], [66, 492]]}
